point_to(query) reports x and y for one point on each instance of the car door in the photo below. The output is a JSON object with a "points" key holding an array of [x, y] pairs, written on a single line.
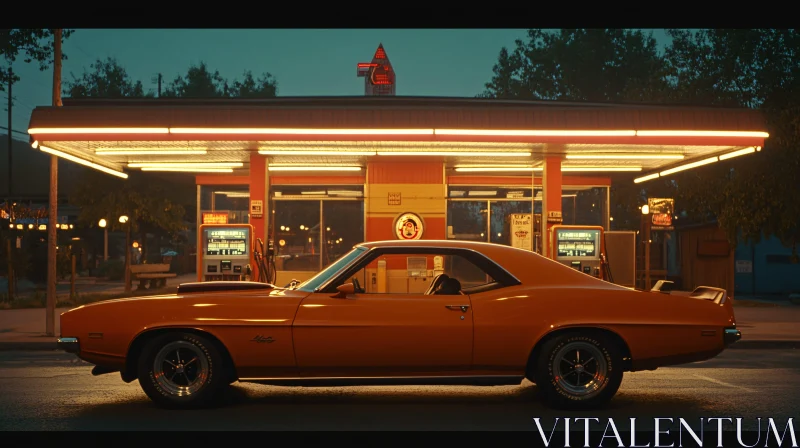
{"points": [[379, 334]]}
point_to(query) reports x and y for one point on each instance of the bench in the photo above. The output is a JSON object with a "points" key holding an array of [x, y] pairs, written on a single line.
{"points": [[157, 274]]}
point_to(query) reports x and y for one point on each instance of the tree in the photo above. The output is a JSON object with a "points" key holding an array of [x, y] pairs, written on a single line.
{"points": [[588, 65], [264, 87], [200, 82], [581, 65], [749, 196], [36, 44], [107, 80], [150, 206]]}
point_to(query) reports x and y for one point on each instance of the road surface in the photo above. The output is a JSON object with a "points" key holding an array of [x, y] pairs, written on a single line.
{"points": [[56, 391]]}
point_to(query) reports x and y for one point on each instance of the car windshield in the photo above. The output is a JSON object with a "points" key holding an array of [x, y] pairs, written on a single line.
{"points": [[343, 261]]}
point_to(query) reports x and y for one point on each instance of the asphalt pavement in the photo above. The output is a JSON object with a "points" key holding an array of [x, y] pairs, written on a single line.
{"points": [[53, 390]]}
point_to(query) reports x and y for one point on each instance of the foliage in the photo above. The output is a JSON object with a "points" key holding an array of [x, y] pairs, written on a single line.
{"points": [[749, 196], [264, 87], [36, 45], [111, 269], [107, 80], [200, 82], [143, 201], [581, 65]]}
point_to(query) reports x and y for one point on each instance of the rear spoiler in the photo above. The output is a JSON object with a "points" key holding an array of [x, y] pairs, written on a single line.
{"points": [[716, 295]]}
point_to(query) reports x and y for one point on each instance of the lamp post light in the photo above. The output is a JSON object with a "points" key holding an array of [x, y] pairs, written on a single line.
{"points": [[102, 223], [646, 223], [124, 220]]}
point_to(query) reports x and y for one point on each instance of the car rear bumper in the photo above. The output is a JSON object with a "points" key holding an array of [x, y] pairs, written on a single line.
{"points": [[731, 335], [69, 345]]}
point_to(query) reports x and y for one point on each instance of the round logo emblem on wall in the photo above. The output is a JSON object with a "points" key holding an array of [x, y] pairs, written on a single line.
{"points": [[408, 226]]}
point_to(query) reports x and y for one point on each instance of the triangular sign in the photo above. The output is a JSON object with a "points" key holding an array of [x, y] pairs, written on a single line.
{"points": [[380, 53]]}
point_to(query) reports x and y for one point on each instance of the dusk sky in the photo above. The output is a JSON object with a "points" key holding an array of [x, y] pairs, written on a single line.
{"points": [[428, 62]]}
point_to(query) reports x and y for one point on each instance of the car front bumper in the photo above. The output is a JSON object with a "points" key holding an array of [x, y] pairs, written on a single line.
{"points": [[731, 335], [69, 345]]}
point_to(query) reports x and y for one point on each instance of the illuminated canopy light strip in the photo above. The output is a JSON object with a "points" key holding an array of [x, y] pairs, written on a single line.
{"points": [[644, 178], [314, 168], [475, 169], [186, 165], [702, 134], [625, 156], [536, 133], [190, 170], [146, 152], [483, 132], [455, 153], [83, 162], [316, 153], [98, 131], [301, 131], [601, 168], [738, 153], [689, 165]]}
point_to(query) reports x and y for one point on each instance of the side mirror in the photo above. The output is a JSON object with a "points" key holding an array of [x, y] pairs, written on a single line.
{"points": [[344, 290]]}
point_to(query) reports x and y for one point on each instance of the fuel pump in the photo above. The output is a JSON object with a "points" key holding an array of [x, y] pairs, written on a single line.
{"points": [[225, 252], [580, 247]]}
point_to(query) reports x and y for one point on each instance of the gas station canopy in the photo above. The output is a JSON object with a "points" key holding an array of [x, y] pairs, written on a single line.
{"points": [[343, 133]]}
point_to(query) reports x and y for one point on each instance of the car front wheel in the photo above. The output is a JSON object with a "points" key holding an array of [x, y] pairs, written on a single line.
{"points": [[181, 370], [578, 371]]}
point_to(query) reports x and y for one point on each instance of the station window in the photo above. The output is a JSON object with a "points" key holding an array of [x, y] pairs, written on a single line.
{"points": [[312, 226], [224, 204], [483, 213], [587, 206]]}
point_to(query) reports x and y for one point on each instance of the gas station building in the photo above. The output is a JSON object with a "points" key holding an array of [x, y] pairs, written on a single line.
{"points": [[317, 175]]}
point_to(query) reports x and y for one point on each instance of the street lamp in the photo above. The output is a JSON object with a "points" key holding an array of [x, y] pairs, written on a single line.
{"points": [[102, 223], [124, 220], [646, 223]]}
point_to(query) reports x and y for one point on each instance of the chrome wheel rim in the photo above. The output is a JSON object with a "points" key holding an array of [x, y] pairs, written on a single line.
{"points": [[180, 368], [580, 369]]}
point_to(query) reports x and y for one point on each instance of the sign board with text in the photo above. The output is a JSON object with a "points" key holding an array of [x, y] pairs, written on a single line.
{"points": [[521, 227], [215, 218], [554, 217], [256, 208], [395, 199]]}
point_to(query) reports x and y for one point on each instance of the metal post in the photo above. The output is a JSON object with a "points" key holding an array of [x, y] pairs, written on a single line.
{"points": [[647, 253], [72, 280], [53, 209], [10, 271], [105, 243], [10, 140], [128, 257]]}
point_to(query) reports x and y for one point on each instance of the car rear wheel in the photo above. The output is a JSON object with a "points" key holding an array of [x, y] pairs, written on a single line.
{"points": [[181, 370], [578, 371]]}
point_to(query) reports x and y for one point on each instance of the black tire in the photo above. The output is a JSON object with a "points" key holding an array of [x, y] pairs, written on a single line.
{"points": [[557, 366], [188, 358]]}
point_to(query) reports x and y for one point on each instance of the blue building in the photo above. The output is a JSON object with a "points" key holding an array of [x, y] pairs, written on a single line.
{"points": [[765, 268]]}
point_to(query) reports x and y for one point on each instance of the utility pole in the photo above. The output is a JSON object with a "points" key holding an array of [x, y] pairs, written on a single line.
{"points": [[53, 212], [159, 85], [10, 141]]}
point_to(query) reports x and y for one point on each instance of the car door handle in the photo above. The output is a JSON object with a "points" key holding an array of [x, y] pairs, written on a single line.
{"points": [[457, 307]]}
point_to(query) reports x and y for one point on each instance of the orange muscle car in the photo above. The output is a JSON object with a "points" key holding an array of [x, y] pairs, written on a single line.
{"points": [[403, 312]]}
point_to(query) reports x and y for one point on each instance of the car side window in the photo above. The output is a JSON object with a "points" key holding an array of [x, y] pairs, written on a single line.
{"points": [[420, 273]]}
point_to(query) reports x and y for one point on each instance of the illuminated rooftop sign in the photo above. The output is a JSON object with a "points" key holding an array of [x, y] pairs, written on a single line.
{"points": [[379, 76]]}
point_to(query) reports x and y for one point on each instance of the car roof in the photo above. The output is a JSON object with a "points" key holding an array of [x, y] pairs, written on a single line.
{"points": [[491, 250]]}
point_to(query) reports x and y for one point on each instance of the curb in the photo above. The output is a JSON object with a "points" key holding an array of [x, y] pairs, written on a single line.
{"points": [[764, 345], [28, 346]]}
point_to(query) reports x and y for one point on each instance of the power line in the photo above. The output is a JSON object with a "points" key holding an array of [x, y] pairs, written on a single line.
{"points": [[14, 130]]}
